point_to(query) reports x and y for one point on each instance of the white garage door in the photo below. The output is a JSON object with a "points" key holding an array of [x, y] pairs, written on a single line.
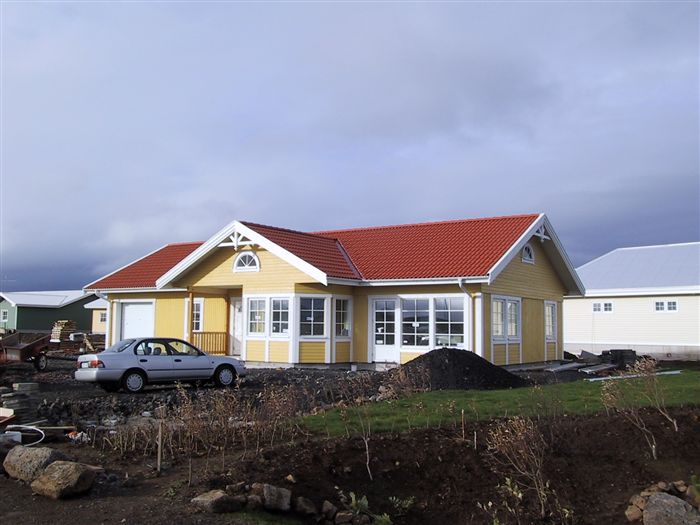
{"points": [[137, 320]]}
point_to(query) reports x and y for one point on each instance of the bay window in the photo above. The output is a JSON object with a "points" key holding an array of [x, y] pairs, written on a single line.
{"points": [[415, 322], [280, 316], [256, 316], [449, 321], [312, 320], [342, 318]]}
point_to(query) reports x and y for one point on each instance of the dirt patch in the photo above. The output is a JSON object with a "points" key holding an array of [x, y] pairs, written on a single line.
{"points": [[450, 368], [595, 463]]}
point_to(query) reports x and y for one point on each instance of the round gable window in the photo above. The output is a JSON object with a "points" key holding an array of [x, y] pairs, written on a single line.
{"points": [[246, 262], [528, 254]]}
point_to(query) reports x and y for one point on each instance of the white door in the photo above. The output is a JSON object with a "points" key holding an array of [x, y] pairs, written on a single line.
{"points": [[236, 328], [384, 326], [137, 320]]}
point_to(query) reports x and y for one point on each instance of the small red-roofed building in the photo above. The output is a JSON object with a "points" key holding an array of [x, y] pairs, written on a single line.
{"points": [[367, 296]]}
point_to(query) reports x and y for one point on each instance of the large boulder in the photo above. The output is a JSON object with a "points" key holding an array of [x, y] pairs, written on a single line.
{"points": [[27, 463], [277, 498], [217, 501], [64, 479], [664, 509]]}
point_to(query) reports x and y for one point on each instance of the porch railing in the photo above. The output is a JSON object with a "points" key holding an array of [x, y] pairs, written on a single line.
{"points": [[211, 342]]}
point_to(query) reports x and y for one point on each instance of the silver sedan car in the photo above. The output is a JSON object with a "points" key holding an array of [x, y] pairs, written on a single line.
{"points": [[132, 363]]}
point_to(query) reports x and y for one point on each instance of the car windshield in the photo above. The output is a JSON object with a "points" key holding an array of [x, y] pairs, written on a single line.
{"points": [[119, 346]]}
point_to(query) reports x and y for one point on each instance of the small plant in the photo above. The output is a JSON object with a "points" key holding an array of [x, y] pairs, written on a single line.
{"points": [[402, 505], [358, 505]]}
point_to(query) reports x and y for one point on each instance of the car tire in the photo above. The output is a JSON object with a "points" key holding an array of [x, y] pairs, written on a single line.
{"points": [[225, 376], [109, 387], [134, 381], [41, 362]]}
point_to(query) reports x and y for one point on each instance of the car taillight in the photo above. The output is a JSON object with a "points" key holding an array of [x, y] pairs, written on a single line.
{"points": [[92, 364]]}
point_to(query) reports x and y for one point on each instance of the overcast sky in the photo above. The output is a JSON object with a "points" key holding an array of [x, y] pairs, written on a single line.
{"points": [[126, 126]]}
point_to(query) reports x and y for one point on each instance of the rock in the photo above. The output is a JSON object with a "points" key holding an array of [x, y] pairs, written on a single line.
{"points": [[662, 485], [63, 479], [344, 516], [664, 509], [305, 506], [27, 464], [633, 513], [254, 502], [328, 510], [236, 488], [692, 496], [276, 498], [291, 479], [217, 501], [638, 501], [257, 489], [241, 500]]}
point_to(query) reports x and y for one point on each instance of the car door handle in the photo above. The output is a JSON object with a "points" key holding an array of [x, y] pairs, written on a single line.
{"points": [[178, 360], [143, 360]]}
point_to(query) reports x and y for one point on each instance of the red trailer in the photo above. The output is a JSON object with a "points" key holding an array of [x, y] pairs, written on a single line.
{"points": [[25, 347]]}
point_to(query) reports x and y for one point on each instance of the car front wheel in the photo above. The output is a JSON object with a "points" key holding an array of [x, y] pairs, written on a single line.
{"points": [[134, 381], [41, 362], [225, 376]]}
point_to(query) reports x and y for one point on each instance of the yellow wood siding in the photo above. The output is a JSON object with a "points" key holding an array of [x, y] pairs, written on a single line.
{"points": [[97, 326], [214, 314], [408, 356], [499, 354], [255, 350], [552, 352], [514, 353], [312, 352], [533, 330], [486, 328], [318, 288], [521, 279], [342, 352], [279, 351], [170, 316], [359, 328], [216, 270]]}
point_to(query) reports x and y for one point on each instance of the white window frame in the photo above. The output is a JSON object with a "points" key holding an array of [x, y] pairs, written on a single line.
{"points": [[597, 308], [449, 323], [555, 321], [605, 309], [675, 303], [348, 314], [601, 307], [255, 268], [528, 254], [326, 318], [506, 322], [431, 319], [265, 302], [4, 316], [200, 302], [665, 306], [281, 335], [103, 317]]}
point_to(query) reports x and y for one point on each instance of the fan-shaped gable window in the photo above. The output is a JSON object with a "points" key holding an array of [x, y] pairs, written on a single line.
{"points": [[528, 254], [246, 262]]}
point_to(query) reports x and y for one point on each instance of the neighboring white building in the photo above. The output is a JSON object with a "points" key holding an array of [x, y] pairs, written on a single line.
{"points": [[646, 298]]}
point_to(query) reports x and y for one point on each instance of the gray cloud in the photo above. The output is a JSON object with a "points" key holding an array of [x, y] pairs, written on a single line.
{"points": [[129, 125]]}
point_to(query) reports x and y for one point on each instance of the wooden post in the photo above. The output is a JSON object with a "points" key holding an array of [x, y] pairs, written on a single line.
{"points": [[227, 328], [190, 319]]}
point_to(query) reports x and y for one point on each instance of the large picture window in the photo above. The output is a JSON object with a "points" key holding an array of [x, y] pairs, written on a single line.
{"points": [[280, 316], [415, 322], [342, 317], [256, 316], [449, 321], [312, 320], [505, 318]]}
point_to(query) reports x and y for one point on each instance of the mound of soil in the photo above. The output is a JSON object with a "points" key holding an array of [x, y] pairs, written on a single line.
{"points": [[452, 368]]}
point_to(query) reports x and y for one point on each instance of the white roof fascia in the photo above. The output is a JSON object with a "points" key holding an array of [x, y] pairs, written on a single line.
{"points": [[260, 240], [8, 299], [409, 282], [664, 290], [542, 220], [97, 304], [122, 267], [137, 290], [514, 249]]}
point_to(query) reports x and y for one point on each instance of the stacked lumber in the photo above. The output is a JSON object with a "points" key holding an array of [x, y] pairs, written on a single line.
{"points": [[24, 400], [62, 329]]}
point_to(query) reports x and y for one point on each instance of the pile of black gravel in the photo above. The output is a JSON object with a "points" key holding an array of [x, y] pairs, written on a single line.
{"points": [[452, 368]]}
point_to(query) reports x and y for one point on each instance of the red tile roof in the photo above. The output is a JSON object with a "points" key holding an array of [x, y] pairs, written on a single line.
{"points": [[464, 248], [145, 272], [324, 253]]}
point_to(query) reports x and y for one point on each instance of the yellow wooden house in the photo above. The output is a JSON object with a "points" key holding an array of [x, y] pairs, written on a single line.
{"points": [[367, 296]]}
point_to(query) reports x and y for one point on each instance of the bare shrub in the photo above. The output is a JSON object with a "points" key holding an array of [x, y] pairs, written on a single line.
{"points": [[651, 389]]}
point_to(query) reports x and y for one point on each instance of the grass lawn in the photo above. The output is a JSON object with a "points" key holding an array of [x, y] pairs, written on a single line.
{"points": [[444, 408]]}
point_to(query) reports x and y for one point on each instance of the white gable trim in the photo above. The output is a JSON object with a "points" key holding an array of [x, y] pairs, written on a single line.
{"points": [[515, 249], [223, 237]]}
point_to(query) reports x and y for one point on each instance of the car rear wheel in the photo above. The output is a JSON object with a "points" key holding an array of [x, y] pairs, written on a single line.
{"points": [[225, 376], [134, 381], [41, 362]]}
